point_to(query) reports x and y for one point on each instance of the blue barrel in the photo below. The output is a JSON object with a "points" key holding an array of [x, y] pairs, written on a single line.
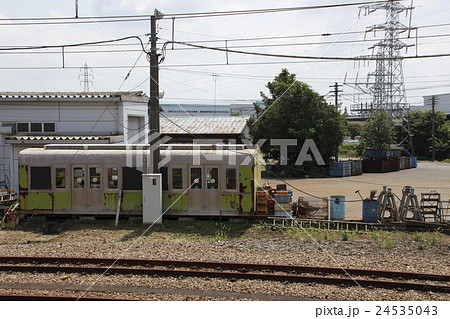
{"points": [[413, 161], [337, 207], [369, 213]]}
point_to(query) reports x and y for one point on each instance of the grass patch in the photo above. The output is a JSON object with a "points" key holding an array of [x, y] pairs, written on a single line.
{"points": [[104, 231], [426, 239], [384, 239]]}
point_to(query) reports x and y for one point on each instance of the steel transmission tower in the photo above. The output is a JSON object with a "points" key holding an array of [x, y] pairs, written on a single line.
{"points": [[85, 77], [385, 84]]}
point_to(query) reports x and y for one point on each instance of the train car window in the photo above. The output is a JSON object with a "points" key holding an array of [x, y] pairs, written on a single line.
{"points": [[165, 178], [177, 178], [60, 176], [41, 178], [113, 177], [231, 178], [212, 178], [132, 179], [78, 177], [196, 173], [94, 177]]}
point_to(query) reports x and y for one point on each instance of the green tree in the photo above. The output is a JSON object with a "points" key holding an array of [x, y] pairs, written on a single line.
{"points": [[421, 128], [294, 111], [353, 129], [378, 132]]}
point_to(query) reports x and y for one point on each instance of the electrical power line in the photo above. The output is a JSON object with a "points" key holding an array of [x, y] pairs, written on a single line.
{"points": [[307, 57], [121, 18]]}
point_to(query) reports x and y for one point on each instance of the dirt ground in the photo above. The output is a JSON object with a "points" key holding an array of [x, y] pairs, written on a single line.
{"points": [[425, 178]]}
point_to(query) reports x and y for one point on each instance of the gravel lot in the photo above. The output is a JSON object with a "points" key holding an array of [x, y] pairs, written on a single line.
{"points": [[425, 178]]}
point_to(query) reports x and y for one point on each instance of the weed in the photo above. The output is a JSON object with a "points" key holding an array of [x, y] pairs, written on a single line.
{"points": [[384, 239], [437, 239], [222, 233], [424, 240], [345, 235], [422, 245]]}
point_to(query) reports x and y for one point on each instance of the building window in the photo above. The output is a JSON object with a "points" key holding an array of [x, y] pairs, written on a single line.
{"points": [[41, 178], [94, 177], [36, 127], [49, 127], [231, 178], [177, 178], [196, 178], [60, 176], [113, 177], [23, 128]]}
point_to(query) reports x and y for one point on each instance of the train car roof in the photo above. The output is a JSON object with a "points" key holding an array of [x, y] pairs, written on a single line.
{"points": [[179, 154]]}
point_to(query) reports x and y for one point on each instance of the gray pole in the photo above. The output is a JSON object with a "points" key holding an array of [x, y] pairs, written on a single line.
{"points": [[433, 130], [154, 93]]}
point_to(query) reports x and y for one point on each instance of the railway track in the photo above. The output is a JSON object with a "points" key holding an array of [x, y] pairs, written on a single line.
{"points": [[231, 271], [54, 298]]}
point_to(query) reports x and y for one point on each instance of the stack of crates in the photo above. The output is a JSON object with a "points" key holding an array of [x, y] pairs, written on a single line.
{"points": [[261, 202], [283, 203]]}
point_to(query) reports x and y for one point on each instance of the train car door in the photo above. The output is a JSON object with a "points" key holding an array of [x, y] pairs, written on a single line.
{"points": [[78, 187], [196, 192], [95, 187], [87, 187], [212, 191], [204, 196]]}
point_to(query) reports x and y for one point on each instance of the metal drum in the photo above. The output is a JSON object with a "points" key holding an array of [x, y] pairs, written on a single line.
{"points": [[413, 161], [369, 213], [337, 207]]}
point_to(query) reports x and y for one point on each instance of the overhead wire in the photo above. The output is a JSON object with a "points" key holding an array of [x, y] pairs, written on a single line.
{"points": [[101, 19]]}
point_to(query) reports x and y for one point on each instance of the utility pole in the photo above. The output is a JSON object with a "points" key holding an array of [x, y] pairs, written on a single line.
{"points": [[336, 92], [215, 91], [433, 129], [153, 103]]}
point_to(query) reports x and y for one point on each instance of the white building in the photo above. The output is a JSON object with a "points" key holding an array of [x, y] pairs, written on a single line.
{"points": [[209, 110], [195, 110], [36, 119], [442, 103]]}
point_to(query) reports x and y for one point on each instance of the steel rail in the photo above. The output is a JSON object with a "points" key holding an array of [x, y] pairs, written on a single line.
{"points": [[227, 275], [54, 298], [243, 267]]}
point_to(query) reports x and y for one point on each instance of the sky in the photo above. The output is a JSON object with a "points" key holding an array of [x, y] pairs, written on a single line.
{"points": [[200, 76]]}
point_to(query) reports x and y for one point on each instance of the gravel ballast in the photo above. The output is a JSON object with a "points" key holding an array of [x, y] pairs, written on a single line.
{"points": [[406, 255]]}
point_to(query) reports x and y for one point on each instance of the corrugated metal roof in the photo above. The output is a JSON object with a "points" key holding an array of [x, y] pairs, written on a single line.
{"points": [[203, 125], [66, 95], [57, 138]]}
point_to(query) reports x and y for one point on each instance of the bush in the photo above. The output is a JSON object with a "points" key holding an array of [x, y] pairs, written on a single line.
{"points": [[348, 150]]}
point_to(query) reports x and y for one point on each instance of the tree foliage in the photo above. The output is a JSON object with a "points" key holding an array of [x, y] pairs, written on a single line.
{"points": [[294, 111], [421, 128], [353, 129], [378, 132]]}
